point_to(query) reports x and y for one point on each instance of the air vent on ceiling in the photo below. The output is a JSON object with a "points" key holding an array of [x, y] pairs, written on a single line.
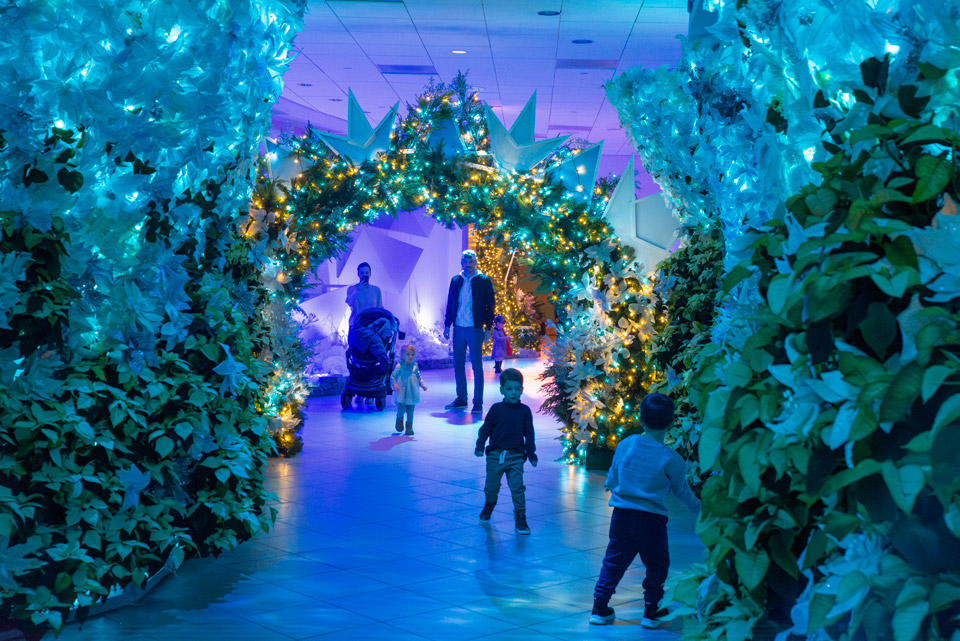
{"points": [[569, 128], [575, 63], [413, 70]]}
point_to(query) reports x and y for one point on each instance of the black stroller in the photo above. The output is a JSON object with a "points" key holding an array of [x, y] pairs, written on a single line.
{"points": [[370, 356]]}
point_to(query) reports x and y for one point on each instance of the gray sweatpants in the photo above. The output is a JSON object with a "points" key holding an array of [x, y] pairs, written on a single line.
{"points": [[500, 462]]}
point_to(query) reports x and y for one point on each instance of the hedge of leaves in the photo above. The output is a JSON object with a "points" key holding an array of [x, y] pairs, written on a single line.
{"points": [[130, 308], [829, 394], [686, 295]]}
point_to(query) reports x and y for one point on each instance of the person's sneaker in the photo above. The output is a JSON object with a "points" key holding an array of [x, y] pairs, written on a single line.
{"points": [[477, 408], [602, 613], [457, 404], [409, 431], [399, 425], [652, 616], [520, 523], [487, 511]]}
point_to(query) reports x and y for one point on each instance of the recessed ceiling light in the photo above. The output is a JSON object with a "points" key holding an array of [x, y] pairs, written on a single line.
{"points": [[582, 41], [548, 13], [306, 84], [458, 51]]}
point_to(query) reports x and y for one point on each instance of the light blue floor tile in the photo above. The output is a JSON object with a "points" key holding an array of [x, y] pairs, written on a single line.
{"points": [[311, 620], [378, 539], [453, 624]]}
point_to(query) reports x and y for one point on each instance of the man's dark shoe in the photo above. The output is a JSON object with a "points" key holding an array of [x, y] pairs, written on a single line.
{"points": [[602, 613], [457, 404], [487, 511], [520, 522], [477, 408], [652, 616]]}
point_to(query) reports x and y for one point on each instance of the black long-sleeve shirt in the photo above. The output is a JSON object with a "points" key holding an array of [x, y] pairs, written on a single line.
{"points": [[509, 426]]}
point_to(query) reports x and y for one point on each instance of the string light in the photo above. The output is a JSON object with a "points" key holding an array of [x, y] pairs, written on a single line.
{"points": [[525, 215]]}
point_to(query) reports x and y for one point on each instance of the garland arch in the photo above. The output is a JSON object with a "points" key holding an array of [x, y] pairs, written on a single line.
{"points": [[443, 158]]}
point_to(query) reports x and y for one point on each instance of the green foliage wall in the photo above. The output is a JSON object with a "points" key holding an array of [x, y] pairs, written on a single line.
{"points": [[821, 137], [129, 307]]}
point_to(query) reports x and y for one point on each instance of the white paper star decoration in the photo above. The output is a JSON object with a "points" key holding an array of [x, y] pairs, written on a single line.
{"points": [[515, 150], [578, 173], [647, 224], [362, 142]]}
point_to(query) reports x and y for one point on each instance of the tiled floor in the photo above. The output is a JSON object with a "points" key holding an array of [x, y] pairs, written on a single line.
{"points": [[378, 538]]}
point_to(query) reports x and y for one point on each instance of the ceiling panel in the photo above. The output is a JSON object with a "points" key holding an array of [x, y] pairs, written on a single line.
{"points": [[375, 30], [598, 50], [676, 15], [521, 9], [620, 11], [432, 10], [322, 36], [318, 14], [660, 46], [317, 85], [511, 49], [535, 71], [330, 52], [356, 8], [510, 52], [587, 82], [393, 49], [456, 34], [418, 61], [475, 70]]}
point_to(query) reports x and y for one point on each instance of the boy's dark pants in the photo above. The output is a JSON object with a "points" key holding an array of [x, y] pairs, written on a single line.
{"points": [[502, 462], [634, 532]]}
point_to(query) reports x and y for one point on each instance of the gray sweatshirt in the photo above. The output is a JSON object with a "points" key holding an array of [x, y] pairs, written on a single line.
{"points": [[643, 472]]}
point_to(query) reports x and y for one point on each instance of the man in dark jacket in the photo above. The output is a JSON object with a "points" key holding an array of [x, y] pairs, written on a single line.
{"points": [[470, 307]]}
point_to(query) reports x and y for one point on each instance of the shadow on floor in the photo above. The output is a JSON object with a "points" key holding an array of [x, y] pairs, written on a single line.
{"points": [[387, 443]]}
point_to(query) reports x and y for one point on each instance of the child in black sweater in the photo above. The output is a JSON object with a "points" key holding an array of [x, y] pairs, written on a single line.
{"points": [[509, 426]]}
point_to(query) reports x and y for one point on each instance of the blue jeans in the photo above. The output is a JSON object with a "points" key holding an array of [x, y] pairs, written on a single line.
{"points": [[472, 338], [634, 532]]}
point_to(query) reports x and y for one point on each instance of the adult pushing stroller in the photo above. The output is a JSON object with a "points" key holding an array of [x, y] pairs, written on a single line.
{"points": [[370, 356]]}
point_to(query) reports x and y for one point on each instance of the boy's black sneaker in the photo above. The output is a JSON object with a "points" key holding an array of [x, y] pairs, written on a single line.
{"points": [[477, 408], [602, 613], [652, 617], [457, 404], [520, 523], [487, 511]]}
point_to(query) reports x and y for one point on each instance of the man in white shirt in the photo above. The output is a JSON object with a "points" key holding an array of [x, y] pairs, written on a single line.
{"points": [[470, 307]]}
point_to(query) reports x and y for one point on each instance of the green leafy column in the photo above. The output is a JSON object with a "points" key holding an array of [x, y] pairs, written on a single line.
{"points": [[129, 430], [835, 427]]}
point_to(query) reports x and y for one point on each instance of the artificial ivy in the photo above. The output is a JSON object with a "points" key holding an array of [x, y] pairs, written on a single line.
{"points": [[130, 306], [687, 295], [827, 393]]}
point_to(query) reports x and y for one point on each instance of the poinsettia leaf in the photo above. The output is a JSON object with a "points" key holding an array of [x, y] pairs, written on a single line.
{"points": [[933, 173]]}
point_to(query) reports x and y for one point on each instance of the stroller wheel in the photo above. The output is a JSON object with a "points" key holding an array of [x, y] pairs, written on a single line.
{"points": [[345, 399], [381, 402]]}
